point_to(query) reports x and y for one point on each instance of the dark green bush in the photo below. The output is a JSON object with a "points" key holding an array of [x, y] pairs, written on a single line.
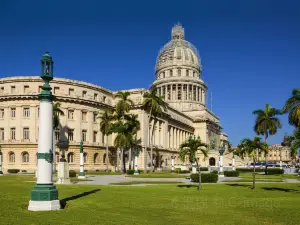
{"points": [[231, 173], [274, 171], [184, 171], [86, 171], [24, 171], [205, 177], [215, 172], [177, 170], [131, 172], [203, 168], [72, 173], [13, 170], [247, 170]]}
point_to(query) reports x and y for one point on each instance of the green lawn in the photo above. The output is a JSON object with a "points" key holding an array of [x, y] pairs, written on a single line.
{"points": [[226, 204], [145, 182], [262, 176], [102, 173]]}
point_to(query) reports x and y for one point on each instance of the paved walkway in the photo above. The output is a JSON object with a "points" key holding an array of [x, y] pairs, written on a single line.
{"points": [[108, 179]]}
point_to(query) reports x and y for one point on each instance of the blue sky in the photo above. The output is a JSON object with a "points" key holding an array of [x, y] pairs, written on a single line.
{"points": [[249, 50]]}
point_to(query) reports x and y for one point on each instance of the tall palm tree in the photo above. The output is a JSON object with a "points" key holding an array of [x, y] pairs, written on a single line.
{"points": [[251, 148], [266, 123], [155, 105], [106, 119], [293, 142], [124, 104], [190, 147], [57, 112], [292, 105], [133, 127]]}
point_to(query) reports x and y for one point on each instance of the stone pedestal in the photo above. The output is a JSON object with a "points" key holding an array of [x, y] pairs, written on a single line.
{"points": [[63, 173]]}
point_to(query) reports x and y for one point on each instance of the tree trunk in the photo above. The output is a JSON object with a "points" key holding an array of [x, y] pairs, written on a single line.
{"points": [[129, 159], [253, 185], [266, 156], [106, 159], [122, 158], [199, 184], [118, 160], [151, 145]]}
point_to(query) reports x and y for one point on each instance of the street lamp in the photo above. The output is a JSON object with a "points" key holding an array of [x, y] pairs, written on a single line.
{"points": [[221, 151]]}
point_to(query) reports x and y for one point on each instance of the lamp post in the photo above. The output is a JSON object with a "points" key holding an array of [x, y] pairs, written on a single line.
{"points": [[44, 196], [221, 151], [1, 158], [81, 170]]}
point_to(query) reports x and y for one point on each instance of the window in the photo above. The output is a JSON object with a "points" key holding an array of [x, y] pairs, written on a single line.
{"points": [[187, 73], [11, 157], [26, 89], [25, 157], [13, 112], [104, 98], [95, 96], [13, 133], [56, 132], [71, 92], [104, 158], [1, 134], [83, 135], [70, 114], [83, 94], [95, 136], [38, 112], [56, 90], [13, 89], [103, 138], [85, 157], [95, 117], [26, 112], [96, 158], [84, 116], [171, 73], [1, 113], [26, 133], [70, 134], [179, 72], [71, 157]]}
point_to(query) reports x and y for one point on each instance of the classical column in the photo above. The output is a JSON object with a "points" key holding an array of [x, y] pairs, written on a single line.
{"points": [[173, 162], [81, 169], [44, 196], [171, 91], [221, 169], [200, 93], [136, 169]]}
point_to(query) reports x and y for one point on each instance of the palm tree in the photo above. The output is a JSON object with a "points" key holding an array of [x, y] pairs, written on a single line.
{"points": [[135, 146], [252, 148], [56, 113], [232, 151], [190, 147], [266, 124], [105, 127], [293, 142], [292, 105], [134, 127], [124, 104], [155, 105]]}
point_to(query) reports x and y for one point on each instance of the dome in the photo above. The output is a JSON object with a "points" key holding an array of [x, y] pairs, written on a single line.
{"points": [[178, 52]]}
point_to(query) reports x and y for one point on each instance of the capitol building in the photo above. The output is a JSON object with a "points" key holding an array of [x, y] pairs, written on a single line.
{"points": [[179, 79]]}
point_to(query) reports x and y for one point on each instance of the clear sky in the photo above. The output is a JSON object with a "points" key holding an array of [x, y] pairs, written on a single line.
{"points": [[250, 50]]}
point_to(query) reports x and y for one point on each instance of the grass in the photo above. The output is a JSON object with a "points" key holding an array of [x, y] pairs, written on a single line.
{"points": [[262, 176], [250, 180], [226, 204], [75, 179], [159, 175], [145, 182], [103, 173]]}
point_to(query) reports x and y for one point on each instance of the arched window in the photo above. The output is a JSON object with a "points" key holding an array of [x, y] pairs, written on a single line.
{"points": [[85, 157], [212, 161], [11, 156], [96, 158], [25, 157], [71, 157], [179, 72]]}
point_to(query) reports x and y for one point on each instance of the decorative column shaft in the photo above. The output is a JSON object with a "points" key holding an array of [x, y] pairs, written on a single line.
{"points": [[44, 195], [136, 169], [172, 163], [233, 163], [81, 169]]}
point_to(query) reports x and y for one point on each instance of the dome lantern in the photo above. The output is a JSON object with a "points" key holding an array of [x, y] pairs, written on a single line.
{"points": [[177, 32]]}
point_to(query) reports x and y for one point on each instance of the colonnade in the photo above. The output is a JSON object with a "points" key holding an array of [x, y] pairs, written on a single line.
{"points": [[176, 137], [182, 91]]}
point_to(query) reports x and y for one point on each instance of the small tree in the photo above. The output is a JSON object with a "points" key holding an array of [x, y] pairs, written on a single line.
{"points": [[292, 106], [266, 124], [106, 119], [155, 105], [190, 148], [251, 148]]}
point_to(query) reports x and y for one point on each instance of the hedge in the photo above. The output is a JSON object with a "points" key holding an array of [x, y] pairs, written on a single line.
{"points": [[205, 177], [72, 173], [13, 170], [275, 171], [203, 169], [131, 172], [231, 173]]}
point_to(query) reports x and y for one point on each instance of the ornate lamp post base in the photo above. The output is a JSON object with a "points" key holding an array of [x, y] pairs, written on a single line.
{"points": [[44, 197]]}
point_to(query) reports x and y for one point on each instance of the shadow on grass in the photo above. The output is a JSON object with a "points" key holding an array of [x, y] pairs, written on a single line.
{"points": [[187, 185], [281, 189], [64, 201], [239, 185]]}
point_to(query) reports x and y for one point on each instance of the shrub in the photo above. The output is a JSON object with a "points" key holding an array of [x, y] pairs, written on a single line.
{"points": [[215, 172], [184, 171], [247, 170], [205, 177], [275, 171], [177, 170], [231, 173], [24, 171], [72, 173], [13, 170], [85, 171], [131, 172]]}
